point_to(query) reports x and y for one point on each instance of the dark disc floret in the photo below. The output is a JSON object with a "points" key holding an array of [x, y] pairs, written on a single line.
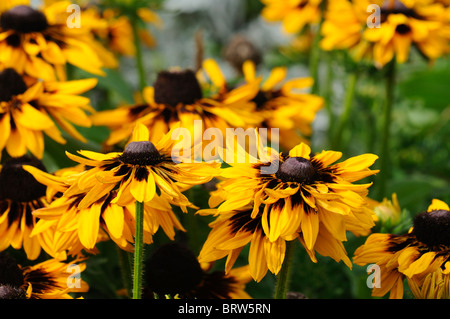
{"points": [[23, 19], [10, 273], [11, 84], [433, 228], [297, 169], [174, 87], [173, 269], [141, 153], [17, 184], [11, 292]]}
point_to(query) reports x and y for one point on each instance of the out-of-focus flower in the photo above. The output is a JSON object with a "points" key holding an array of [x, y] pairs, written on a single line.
{"points": [[174, 270], [40, 43], [294, 15], [399, 26], [20, 195], [45, 280], [421, 256], [284, 104], [177, 98], [30, 109]]}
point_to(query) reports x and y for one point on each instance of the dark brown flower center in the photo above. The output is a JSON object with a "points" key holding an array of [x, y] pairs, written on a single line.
{"points": [[297, 169], [172, 88], [10, 273], [10, 292], [396, 7], [433, 228], [141, 154], [173, 269], [402, 29], [11, 84], [17, 184], [23, 19]]}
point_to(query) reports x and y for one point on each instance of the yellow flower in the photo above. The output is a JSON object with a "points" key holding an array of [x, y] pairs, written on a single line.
{"points": [[307, 199], [20, 195], [401, 26], [421, 256], [50, 279], [40, 43], [28, 110], [294, 15], [102, 197], [285, 104], [177, 98]]}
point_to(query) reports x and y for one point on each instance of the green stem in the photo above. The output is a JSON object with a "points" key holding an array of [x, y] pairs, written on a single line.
{"points": [[315, 53], [138, 251], [283, 276], [385, 158], [350, 93], [139, 58]]}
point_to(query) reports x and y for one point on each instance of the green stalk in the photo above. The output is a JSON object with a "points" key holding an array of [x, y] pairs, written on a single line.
{"points": [[139, 58], [350, 94], [138, 251], [385, 157], [283, 276]]}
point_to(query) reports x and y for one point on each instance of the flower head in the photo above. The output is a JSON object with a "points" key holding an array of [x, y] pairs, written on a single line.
{"points": [[421, 256], [284, 104], [308, 198], [30, 109], [39, 43], [178, 98], [20, 195], [45, 280], [173, 269]]}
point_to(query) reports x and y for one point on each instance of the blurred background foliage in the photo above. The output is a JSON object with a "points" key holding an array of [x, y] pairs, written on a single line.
{"points": [[420, 169]]}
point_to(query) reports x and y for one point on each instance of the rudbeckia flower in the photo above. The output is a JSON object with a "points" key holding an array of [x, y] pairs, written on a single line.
{"points": [[307, 198], [402, 26], [46, 280], [30, 109], [39, 42], [20, 195], [421, 256], [102, 197], [174, 270], [285, 104], [294, 15], [177, 97]]}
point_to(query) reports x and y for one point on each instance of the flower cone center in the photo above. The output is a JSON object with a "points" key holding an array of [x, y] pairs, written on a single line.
{"points": [[11, 84], [433, 228], [174, 87], [10, 273], [141, 153], [297, 169], [17, 184], [23, 19]]}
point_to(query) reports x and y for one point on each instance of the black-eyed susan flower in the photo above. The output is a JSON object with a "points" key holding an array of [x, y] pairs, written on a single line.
{"points": [[29, 109], [50, 279], [20, 195], [174, 270], [285, 104], [40, 43], [101, 198], [294, 15], [177, 98], [306, 197], [421, 256], [389, 34]]}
